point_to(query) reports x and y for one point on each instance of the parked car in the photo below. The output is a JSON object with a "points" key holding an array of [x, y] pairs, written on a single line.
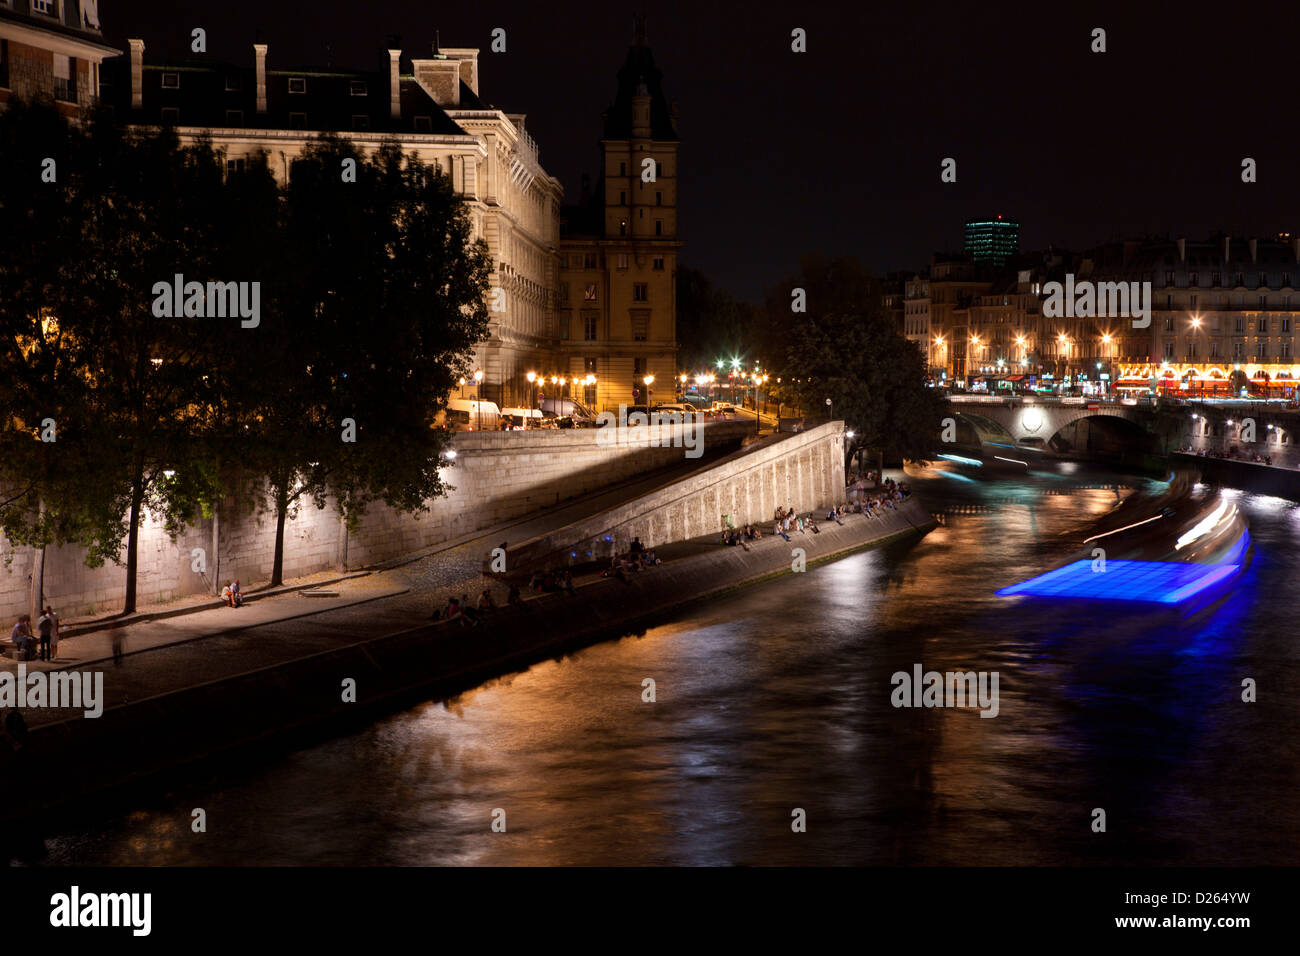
{"points": [[676, 408], [567, 408]]}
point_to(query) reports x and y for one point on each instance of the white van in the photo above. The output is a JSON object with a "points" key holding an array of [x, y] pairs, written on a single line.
{"points": [[468, 415], [521, 418]]}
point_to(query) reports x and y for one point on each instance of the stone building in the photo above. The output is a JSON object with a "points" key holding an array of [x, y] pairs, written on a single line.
{"points": [[618, 249], [52, 48], [432, 107]]}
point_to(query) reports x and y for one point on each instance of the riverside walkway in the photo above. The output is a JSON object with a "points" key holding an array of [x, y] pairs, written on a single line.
{"points": [[168, 654]]}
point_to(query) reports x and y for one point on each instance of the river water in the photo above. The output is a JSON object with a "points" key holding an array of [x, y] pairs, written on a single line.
{"points": [[777, 699]]}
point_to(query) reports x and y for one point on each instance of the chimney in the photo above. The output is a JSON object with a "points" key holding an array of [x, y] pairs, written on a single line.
{"points": [[1182, 250], [1251, 243], [259, 51], [137, 73], [394, 84]]}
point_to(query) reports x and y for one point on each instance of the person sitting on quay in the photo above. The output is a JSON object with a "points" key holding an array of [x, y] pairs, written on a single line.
{"points": [[21, 635], [832, 515], [777, 529], [485, 602], [515, 599]]}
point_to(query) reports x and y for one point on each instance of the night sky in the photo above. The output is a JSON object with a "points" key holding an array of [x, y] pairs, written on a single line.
{"points": [[838, 149]]}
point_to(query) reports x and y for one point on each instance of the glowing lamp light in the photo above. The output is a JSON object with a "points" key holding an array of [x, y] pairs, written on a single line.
{"points": [[451, 453], [532, 377]]}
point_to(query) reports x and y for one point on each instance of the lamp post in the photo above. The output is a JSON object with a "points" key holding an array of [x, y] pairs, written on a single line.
{"points": [[532, 391], [649, 392], [462, 386], [478, 396], [830, 410]]}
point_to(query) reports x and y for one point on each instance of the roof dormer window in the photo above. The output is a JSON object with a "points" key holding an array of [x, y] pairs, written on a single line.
{"points": [[171, 81], [297, 84]]}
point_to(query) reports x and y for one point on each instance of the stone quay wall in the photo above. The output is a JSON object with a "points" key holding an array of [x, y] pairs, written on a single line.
{"points": [[496, 477]]}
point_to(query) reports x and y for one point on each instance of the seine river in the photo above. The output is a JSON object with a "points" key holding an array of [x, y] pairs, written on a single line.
{"points": [[777, 699]]}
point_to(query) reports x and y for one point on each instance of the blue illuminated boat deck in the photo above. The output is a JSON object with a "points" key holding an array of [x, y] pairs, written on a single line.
{"points": [[1161, 582]]}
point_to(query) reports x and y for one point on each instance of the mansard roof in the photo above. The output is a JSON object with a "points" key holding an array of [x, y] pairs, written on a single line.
{"points": [[224, 96]]}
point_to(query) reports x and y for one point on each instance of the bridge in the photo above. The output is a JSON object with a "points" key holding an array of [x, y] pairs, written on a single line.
{"points": [[1038, 424]]}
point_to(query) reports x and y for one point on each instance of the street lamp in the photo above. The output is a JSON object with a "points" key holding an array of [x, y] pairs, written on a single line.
{"points": [[462, 386], [478, 396], [830, 410], [532, 393], [649, 392]]}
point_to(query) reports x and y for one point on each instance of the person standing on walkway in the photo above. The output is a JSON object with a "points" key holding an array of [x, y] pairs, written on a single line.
{"points": [[54, 632], [44, 630], [119, 646]]}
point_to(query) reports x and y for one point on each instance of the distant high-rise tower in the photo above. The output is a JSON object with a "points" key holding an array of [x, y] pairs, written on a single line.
{"points": [[992, 240]]}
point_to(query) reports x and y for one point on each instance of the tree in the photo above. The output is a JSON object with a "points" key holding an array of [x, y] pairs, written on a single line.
{"points": [[711, 324], [129, 388], [844, 347], [380, 302]]}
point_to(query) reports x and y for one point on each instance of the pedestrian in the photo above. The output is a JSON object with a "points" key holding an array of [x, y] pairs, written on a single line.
{"points": [[54, 632], [119, 647], [236, 595], [45, 629]]}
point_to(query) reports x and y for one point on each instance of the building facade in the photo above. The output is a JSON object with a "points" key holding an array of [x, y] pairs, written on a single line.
{"points": [[995, 240], [52, 49], [618, 249], [431, 106]]}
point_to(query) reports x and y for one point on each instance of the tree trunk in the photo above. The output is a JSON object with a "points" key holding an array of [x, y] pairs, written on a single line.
{"points": [[216, 548], [281, 512], [133, 538]]}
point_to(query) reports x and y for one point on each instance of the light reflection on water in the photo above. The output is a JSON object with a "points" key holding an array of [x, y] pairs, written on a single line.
{"points": [[777, 698]]}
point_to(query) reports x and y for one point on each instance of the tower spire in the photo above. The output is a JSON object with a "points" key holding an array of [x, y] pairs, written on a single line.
{"points": [[638, 29]]}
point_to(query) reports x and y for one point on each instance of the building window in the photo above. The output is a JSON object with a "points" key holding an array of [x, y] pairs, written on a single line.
{"points": [[659, 199], [1214, 349], [1218, 278], [1239, 325], [1261, 281], [358, 87], [1191, 351], [589, 323], [1169, 323], [234, 117], [1169, 350], [659, 227], [44, 6], [640, 327], [170, 116], [640, 292], [424, 124], [1262, 325], [658, 264], [622, 227], [589, 366], [622, 198], [622, 169], [65, 87], [297, 121], [1191, 279], [1286, 280], [232, 83], [589, 261], [1193, 302], [1263, 350], [622, 260], [1286, 325], [171, 81], [360, 121], [234, 166], [1169, 278], [1239, 279], [1237, 349], [564, 293], [1263, 301], [1285, 351], [638, 369], [589, 293], [297, 84]]}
